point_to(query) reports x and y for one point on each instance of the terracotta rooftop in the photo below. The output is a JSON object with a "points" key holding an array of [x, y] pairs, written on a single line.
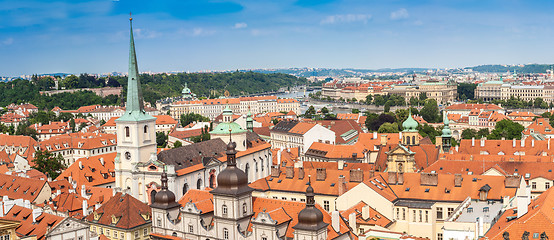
{"points": [[19, 187], [473, 106], [27, 227], [91, 171], [128, 211]]}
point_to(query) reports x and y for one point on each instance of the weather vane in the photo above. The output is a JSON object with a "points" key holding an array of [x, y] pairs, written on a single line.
{"points": [[130, 16]]}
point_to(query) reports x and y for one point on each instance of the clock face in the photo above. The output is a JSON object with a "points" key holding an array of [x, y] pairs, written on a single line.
{"points": [[128, 155]]}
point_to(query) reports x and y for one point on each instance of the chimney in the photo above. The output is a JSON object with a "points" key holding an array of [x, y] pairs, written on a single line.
{"points": [[8, 206], [532, 142], [36, 213], [429, 179], [27, 204], [365, 212], [83, 191], [523, 203], [374, 135], [383, 140], [300, 173], [457, 147], [352, 220], [342, 185], [522, 142], [400, 178], [321, 174], [102, 161], [548, 144], [371, 173], [340, 164], [392, 178], [473, 142], [511, 181], [279, 156], [483, 141], [400, 135], [458, 180], [335, 220], [354, 156], [85, 208], [275, 171], [356, 175], [80, 165], [1, 209], [290, 172], [514, 143]]}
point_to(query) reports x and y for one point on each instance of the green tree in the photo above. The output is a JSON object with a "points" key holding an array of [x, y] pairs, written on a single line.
{"points": [[48, 164], [422, 96], [188, 118], [466, 90], [70, 82], [429, 131], [161, 139], [72, 125], [324, 110], [506, 129], [386, 108], [483, 132], [355, 110], [469, 133], [24, 129], [177, 144], [388, 128], [310, 112], [430, 111]]}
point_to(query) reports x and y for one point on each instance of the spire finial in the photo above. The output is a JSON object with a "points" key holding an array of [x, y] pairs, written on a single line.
{"points": [[130, 16]]}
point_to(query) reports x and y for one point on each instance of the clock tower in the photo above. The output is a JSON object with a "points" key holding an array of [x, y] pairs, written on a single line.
{"points": [[136, 134]]}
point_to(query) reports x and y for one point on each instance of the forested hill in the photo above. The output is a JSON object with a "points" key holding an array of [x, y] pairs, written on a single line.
{"points": [[212, 85], [528, 68], [154, 87]]}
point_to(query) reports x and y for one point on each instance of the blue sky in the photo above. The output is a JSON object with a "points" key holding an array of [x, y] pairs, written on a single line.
{"points": [[191, 35]]}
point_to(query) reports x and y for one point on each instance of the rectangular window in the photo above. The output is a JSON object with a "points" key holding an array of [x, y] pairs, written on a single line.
{"points": [[145, 231], [293, 199], [420, 216], [439, 236], [546, 185], [191, 229], [414, 213], [136, 234], [107, 232], [439, 213], [533, 185], [403, 214], [397, 213], [326, 205], [450, 211], [426, 216], [122, 235]]}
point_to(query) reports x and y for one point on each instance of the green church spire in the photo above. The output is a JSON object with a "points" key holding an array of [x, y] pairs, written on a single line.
{"points": [[134, 109]]}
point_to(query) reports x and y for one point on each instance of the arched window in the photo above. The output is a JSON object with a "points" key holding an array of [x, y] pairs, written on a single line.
{"points": [[244, 208], [247, 168], [212, 181], [225, 233], [408, 142], [199, 184], [152, 196], [256, 163], [185, 188], [413, 140], [400, 167], [224, 209], [127, 132], [145, 129]]}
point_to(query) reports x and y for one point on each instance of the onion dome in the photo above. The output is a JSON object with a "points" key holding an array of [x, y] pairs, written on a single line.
{"points": [[310, 218], [186, 90], [232, 180], [164, 199], [410, 125]]}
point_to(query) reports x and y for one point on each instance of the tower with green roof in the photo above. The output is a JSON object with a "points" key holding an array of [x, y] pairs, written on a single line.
{"points": [[136, 133], [228, 126], [410, 134], [446, 135]]}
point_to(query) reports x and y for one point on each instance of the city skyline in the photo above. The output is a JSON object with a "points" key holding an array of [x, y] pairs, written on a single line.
{"points": [[90, 36]]}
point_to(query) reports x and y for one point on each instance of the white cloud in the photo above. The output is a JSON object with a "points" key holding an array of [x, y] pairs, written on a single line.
{"points": [[240, 25], [6, 42], [399, 14], [201, 32], [346, 18]]}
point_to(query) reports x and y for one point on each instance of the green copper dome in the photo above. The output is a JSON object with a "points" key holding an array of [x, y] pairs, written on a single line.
{"points": [[186, 90], [410, 125], [224, 127]]}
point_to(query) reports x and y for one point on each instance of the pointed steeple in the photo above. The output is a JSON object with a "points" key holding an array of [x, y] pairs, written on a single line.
{"points": [[134, 109], [134, 92]]}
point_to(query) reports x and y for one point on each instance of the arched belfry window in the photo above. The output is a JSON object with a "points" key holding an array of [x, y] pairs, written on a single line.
{"points": [[127, 132], [145, 129]]}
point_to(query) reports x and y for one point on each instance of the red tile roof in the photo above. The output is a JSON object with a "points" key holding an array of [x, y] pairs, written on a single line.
{"points": [[27, 227], [473, 106], [91, 172], [538, 219], [375, 218], [540, 126], [129, 212], [19, 187]]}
